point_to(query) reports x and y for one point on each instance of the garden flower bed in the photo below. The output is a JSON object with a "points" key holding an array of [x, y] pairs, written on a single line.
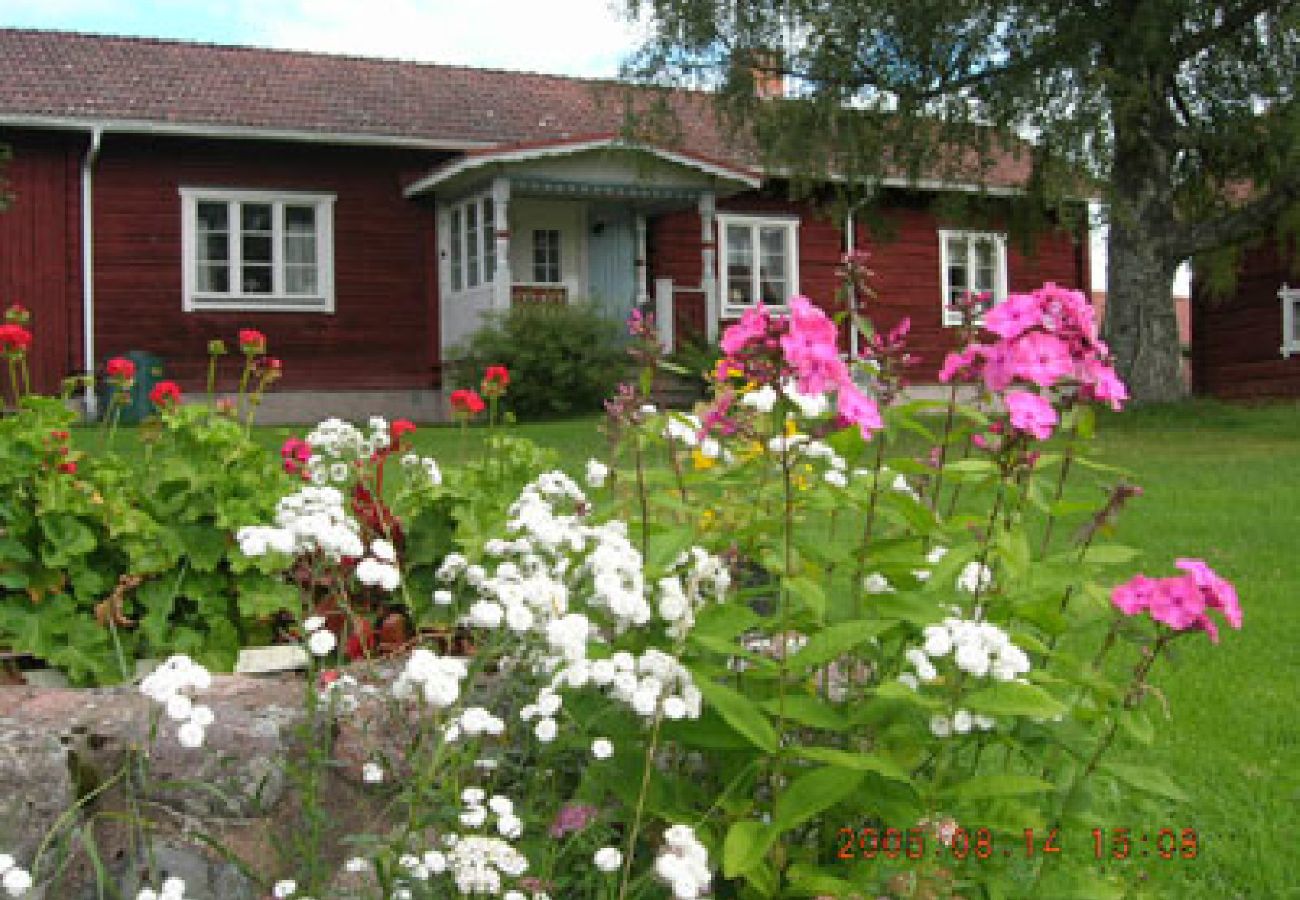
{"points": [[756, 648]]}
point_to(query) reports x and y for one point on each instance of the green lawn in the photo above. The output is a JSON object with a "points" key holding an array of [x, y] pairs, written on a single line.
{"points": [[1220, 483]]}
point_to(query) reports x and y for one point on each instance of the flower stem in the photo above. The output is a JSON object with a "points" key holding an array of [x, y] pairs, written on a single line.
{"points": [[630, 853]]}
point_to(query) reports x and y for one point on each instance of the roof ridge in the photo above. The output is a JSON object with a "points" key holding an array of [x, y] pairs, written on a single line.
{"points": [[332, 55]]}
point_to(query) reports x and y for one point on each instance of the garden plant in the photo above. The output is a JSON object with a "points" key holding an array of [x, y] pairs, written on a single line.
{"points": [[811, 640]]}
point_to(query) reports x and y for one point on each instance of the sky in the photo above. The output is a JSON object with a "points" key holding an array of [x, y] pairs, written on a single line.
{"points": [[565, 37]]}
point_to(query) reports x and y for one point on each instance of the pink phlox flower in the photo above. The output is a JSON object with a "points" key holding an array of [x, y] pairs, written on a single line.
{"points": [[1014, 316], [1218, 592], [1068, 312], [859, 409], [1040, 358], [1133, 596], [572, 817], [1101, 383], [960, 364], [811, 349], [1177, 602], [1031, 414], [753, 324]]}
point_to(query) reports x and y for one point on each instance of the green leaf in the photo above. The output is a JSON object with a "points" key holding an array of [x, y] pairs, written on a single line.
{"points": [[987, 787], [745, 847], [1110, 554], [1138, 726], [67, 537], [666, 546], [741, 714], [1012, 698], [1153, 781], [810, 881], [811, 711], [855, 762], [813, 792], [809, 593], [725, 620], [834, 640]]}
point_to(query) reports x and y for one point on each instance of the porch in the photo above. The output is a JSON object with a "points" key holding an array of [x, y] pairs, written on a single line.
{"points": [[563, 223]]}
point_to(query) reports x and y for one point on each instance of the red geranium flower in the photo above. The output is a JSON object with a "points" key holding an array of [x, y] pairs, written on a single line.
{"points": [[466, 402], [400, 427], [14, 338], [121, 368], [252, 342], [495, 381], [165, 394], [68, 468]]}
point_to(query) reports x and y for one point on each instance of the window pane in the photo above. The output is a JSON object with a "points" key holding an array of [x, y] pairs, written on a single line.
{"points": [[256, 279], [300, 248], [740, 265], [471, 245], [212, 216], [300, 219], [457, 274], [489, 241], [214, 279], [957, 251], [213, 247], [300, 279], [546, 255], [255, 217], [257, 248], [773, 265]]}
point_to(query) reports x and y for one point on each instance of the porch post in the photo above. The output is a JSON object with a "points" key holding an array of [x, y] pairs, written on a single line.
{"points": [[708, 268], [642, 293], [501, 282]]}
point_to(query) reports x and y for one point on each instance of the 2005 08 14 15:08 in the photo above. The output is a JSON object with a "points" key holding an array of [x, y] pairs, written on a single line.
{"points": [[980, 843]]}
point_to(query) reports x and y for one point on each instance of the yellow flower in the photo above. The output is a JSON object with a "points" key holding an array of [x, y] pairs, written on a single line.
{"points": [[791, 427], [701, 461], [708, 518]]}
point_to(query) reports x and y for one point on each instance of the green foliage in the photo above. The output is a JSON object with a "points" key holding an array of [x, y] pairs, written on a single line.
{"points": [[563, 360], [108, 557]]}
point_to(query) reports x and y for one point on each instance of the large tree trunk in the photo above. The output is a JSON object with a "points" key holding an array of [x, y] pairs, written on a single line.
{"points": [[1141, 325]]}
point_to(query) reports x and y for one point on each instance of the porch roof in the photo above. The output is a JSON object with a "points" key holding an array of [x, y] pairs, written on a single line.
{"points": [[507, 157]]}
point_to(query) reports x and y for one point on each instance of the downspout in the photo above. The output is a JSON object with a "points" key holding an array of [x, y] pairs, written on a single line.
{"points": [[88, 269]]}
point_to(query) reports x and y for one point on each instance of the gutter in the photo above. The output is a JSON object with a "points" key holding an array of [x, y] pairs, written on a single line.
{"points": [[88, 267]]}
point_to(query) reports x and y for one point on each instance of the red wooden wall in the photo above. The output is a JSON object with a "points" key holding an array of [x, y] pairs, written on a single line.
{"points": [[1236, 351], [383, 333], [904, 258], [40, 247]]}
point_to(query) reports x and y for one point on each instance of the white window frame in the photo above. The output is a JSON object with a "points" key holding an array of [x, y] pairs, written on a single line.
{"points": [[485, 244], [1290, 298], [754, 223], [951, 316], [278, 300]]}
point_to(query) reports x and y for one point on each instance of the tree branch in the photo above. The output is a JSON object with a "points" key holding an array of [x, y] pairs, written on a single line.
{"points": [[1236, 225]]}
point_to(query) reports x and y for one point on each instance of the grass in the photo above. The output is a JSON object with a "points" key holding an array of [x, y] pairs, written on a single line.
{"points": [[1220, 483]]}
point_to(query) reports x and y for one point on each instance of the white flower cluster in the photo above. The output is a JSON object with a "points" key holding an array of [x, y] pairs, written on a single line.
{"points": [[479, 864], [15, 880], [379, 569], [434, 678], [698, 578], [652, 683], [171, 889], [474, 721], [975, 578], [312, 520], [684, 428], [428, 464], [320, 640], [475, 813], [337, 444], [979, 649], [597, 472], [683, 863], [167, 685]]}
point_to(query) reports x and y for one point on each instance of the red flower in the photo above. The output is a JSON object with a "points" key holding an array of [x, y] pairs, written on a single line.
{"points": [[252, 342], [14, 338], [495, 381], [399, 428], [68, 468], [165, 394], [120, 368], [466, 402]]}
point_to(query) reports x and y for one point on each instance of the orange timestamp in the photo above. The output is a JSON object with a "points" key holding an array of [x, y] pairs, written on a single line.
{"points": [[959, 843]]}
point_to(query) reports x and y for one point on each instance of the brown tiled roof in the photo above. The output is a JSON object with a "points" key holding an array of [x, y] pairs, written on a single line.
{"points": [[66, 76]]}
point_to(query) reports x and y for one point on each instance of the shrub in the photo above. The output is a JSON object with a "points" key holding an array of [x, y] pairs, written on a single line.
{"points": [[563, 360]]}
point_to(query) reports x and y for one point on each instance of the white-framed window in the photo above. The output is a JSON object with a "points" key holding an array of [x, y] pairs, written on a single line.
{"points": [[759, 261], [473, 243], [547, 268], [974, 261], [1290, 298], [260, 251]]}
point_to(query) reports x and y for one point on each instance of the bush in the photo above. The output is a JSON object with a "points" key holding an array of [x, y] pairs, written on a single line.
{"points": [[562, 360]]}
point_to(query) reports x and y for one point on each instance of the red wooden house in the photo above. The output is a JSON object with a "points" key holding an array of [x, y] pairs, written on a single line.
{"points": [[365, 213], [1248, 341]]}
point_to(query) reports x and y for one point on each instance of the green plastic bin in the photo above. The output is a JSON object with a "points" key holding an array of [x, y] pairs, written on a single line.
{"points": [[148, 372]]}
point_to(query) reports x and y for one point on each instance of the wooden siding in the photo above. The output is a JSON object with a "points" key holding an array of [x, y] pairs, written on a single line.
{"points": [[40, 247], [904, 258], [383, 332], [1236, 353]]}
